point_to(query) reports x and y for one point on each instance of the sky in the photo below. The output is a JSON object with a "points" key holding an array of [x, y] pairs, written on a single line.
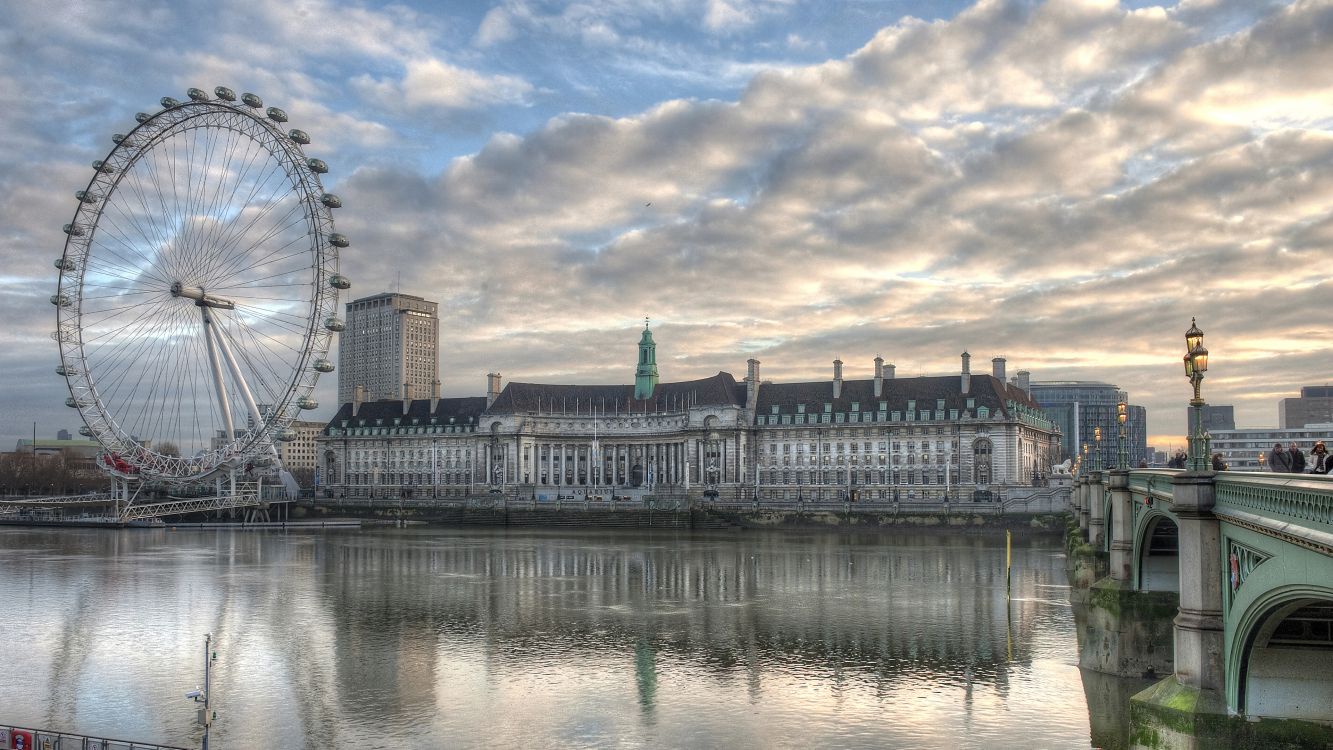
{"points": [[1064, 184]]}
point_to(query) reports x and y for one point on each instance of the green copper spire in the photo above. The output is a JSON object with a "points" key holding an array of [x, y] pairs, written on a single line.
{"points": [[645, 375]]}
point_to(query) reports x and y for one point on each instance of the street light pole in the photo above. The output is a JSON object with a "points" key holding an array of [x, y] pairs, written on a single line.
{"points": [[1097, 448], [1196, 364], [1121, 415]]}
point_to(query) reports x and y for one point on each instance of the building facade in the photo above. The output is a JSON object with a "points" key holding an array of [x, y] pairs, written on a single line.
{"points": [[1078, 407], [1313, 406], [1247, 450], [390, 349], [958, 438], [1217, 417], [299, 451]]}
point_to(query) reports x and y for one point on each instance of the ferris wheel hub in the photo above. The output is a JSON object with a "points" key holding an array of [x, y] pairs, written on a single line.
{"points": [[200, 297]]}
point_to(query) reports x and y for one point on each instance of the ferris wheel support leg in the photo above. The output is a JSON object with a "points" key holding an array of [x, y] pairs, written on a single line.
{"points": [[236, 375], [221, 387]]}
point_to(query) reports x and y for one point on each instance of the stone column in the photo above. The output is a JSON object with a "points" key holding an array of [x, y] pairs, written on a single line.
{"points": [[1097, 511], [1081, 487], [1199, 628], [1122, 527]]}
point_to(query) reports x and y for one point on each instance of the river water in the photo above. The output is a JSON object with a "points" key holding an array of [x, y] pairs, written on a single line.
{"points": [[407, 638]]}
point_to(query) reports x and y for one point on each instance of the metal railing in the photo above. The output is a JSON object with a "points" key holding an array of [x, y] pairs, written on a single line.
{"points": [[11, 736]]}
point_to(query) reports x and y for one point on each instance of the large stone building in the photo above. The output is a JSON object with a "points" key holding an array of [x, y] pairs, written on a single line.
{"points": [[959, 437], [1078, 407], [390, 348]]}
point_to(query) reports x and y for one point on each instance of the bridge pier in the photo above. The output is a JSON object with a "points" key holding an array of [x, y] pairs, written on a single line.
{"points": [[1097, 511], [1122, 528]]}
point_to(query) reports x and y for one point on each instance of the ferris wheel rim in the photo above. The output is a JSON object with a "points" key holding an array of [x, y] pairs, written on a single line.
{"points": [[320, 303]]}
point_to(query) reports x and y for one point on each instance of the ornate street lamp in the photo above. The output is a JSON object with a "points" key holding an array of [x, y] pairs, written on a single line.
{"points": [[1122, 415], [1084, 460], [1196, 364], [1097, 448]]}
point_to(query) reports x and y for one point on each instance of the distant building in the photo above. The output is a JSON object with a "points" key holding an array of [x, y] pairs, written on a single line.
{"points": [[1313, 406], [1242, 449], [299, 452], [959, 437], [1080, 406], [84, 449], [390, 349], [1217, 417]]}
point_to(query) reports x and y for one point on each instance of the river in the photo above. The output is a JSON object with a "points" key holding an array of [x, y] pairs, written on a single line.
{"points": [[442, 638]]}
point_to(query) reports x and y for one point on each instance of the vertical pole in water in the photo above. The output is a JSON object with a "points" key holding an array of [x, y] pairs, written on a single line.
{"points": [[1008, 593], [1008, 564], [208, 712]]}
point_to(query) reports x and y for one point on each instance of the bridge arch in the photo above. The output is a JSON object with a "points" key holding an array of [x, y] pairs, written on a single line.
{"points": [[1157, 553], [1280, 664]]}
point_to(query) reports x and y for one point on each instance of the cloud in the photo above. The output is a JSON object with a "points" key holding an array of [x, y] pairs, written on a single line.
{"points": [[432, 83], [1065, 183]]}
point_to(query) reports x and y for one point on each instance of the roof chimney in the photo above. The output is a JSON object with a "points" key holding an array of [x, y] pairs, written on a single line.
{"points": [[1025, 382], [888, 371], [997, 368], [492, 388], [358, 395], [879, 377], [967, 373], [407, 398], [434, 394], [837, 378], [752, 384]]}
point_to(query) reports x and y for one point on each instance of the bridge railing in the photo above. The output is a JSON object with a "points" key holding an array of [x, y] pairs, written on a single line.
{"points": [[1303, 500], [1155, 483]]}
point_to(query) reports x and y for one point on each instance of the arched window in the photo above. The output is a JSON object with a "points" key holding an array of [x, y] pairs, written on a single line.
{"points": [[981, 460]]}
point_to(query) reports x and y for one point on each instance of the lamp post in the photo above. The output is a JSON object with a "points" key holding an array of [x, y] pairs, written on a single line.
{"points": [[1122, 415], [1084, 461], [1097, 448], [1196, 364]]}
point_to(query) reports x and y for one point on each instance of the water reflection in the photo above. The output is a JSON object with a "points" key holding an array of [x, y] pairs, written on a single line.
{"points": [[481, 638]]}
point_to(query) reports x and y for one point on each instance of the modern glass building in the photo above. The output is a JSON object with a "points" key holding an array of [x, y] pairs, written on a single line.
{"points": [[1080, 406]]}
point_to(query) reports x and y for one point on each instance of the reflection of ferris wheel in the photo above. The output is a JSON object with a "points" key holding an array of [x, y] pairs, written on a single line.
{"points": [[198, 288]]}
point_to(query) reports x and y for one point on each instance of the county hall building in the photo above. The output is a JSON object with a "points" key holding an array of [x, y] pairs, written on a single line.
{"points": [[956, 437]]}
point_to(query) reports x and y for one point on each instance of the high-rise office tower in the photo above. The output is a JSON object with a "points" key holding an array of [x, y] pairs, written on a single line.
{"points": [[390, 348]]}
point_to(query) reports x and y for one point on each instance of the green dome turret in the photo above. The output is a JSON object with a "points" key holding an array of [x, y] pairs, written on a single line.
{"points": [[645, 374]]}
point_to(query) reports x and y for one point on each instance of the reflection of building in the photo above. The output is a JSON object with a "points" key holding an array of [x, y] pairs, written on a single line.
{"points": [[1080, 406], [390, 348], [1241, 448], [884, 438], [1314, 406]]}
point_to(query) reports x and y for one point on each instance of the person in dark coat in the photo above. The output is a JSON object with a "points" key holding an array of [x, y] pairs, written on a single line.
{"points": [[1219, 464], [1297, 460], [1279, 459], [1319, 460]]}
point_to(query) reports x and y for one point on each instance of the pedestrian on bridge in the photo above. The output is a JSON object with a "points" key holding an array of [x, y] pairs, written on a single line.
{"points": [[1319, 461], [1297, 460], [1279, 460]]}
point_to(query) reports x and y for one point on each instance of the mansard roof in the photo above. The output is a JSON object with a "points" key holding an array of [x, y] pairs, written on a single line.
{"points": [[719, 389], [461, 410], [988, 391]]}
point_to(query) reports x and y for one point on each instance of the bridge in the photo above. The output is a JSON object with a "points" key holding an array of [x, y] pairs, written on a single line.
{"points": [[1248, 558], [129, 503]]}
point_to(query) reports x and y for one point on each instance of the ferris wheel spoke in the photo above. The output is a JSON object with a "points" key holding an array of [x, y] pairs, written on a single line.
{"points": [[144, 266], [230, 250], [136, 243], [267, 373], [220, 236], [133, 372]]}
